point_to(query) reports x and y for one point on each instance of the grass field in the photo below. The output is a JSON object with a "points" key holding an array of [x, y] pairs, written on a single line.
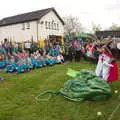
{"points": [[18, 91]]}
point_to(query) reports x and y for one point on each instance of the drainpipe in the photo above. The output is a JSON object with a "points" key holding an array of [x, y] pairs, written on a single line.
{"points": [[37, 31]]}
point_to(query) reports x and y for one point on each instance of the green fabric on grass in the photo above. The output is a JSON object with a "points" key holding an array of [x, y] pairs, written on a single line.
{"points": [[84, 85]]}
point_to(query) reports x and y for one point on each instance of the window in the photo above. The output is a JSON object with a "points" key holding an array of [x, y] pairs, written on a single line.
{"points": [[52, 27], [49, 25], [23, 26], [57, 27], [28, 25], [46, 24]]}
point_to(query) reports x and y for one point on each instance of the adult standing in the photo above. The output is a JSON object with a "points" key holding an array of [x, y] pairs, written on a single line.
{"points": [[99, 67], [27, 46], [107, 66], [110, 68], [78, 48], [66, 45]]}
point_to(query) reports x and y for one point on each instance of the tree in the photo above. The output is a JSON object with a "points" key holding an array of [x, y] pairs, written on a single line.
{"points": [[72, 25], [114, 27], [96, 27]]}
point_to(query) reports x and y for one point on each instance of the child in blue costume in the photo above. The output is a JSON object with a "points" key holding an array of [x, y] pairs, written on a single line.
{"points": [[50, 60], [35, 60], [21, 65], [54, 60], [29, 63], [12, 65], [38, 58], [56, 50], [2, 57], [51, 52], [46, 59], [42, 61], [3, 61]]}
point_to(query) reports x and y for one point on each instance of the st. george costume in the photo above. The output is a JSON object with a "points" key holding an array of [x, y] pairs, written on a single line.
{"points": [[107, 67]]}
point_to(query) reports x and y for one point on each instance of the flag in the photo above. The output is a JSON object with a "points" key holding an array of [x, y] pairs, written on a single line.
{"points": [[62, 41], [22, 44], [41, 42]]}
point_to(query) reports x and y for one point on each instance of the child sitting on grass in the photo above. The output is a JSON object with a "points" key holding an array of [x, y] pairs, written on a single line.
{"points": [[12, 65], [60, 58], [3, 61], [49, 59]]}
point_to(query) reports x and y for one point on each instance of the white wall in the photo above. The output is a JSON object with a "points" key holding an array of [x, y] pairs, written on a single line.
{"points": [[43, 33], [16, 33]]}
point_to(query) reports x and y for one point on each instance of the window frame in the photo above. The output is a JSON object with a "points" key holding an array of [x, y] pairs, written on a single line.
{"points": [[23, 26], [28, 25], [57, 26], [46, 24], [49, 25]]}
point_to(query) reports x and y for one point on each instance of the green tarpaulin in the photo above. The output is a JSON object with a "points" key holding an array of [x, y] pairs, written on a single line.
{"points": [[83, 85]]}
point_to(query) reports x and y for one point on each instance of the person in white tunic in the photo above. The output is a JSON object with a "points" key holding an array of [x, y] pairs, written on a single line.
{"points": [[99, 66], [104, 64], [107, 62]]}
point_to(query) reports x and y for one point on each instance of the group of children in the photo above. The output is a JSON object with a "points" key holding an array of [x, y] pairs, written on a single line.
{"points": [[23, 61]]}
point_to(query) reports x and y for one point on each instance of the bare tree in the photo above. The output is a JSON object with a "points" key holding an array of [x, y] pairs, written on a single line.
{"points": [[72, 25], [96, 27]]}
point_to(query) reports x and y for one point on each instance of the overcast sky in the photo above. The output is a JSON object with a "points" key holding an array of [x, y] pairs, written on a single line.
{"points": [[103, 12]]}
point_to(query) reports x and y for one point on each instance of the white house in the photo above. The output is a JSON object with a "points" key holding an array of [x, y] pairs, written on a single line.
{"points": [[37, 25]]}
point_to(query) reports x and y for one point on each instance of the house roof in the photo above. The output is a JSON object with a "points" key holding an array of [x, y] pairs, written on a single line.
{"points": [[105, 34], [35, 15]]}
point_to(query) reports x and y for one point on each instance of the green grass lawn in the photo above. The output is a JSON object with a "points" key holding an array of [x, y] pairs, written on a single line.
{"points": [[18, 91]]}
